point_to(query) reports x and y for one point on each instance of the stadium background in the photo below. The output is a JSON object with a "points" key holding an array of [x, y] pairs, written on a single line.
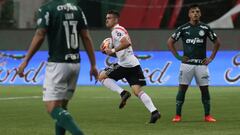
{"points": [[150, 22]]}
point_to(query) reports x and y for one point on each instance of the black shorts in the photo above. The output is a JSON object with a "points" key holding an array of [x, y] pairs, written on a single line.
{"points": [[133, 75]]}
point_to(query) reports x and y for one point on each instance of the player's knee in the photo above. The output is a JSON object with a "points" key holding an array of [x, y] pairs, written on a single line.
{"points": [[51, 105], [135, 93], [136, 90], [102, 76]]}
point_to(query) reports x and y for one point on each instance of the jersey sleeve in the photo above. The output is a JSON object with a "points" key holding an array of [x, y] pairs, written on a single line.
{"points": [[82, 21], [177, 34], [118, 34], [43, 18], [211, 35]]}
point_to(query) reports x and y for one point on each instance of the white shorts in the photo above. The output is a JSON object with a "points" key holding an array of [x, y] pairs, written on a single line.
{"points": [[60, 81], [188, 71]]}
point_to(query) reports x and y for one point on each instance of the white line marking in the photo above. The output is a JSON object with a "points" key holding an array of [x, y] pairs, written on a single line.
{"points": [[16, 98]]}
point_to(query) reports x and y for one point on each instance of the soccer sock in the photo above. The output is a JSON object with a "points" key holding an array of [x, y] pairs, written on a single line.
{"points": [[111, 84], [59, 130], [179, 101], [205, 99], [147, 101], [65, 120]]}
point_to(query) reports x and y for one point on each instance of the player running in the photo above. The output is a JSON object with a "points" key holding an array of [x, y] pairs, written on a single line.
{"points": [[127, 67]]}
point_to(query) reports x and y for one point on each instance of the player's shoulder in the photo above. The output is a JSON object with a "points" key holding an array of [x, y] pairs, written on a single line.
{"points": [[46, 6], [119, 28], [184, 26], [204, 26]]}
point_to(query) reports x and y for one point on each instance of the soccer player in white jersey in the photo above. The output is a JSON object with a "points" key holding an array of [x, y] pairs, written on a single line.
{"points": [[127, 67]]}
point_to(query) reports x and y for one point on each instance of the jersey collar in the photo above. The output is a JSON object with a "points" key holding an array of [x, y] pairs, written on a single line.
{"points": [[117, 25], [195, 25]]}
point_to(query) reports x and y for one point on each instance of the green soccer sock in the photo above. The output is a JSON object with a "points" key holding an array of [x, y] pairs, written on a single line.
{"points": [[205, 100], [180, 100], [65, 120], [59, 130]]}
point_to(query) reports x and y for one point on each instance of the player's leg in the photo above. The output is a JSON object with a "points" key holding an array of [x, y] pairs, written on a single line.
{"points": [[180, 98], [55, 92], [108, 78], [62, 117], [185, 78], [202, 79], [136, 80], [109, 83], [59, 130], [147, 101]]}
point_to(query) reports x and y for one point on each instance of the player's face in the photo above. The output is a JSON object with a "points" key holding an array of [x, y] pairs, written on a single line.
{"points": [[194, 14], [111, 20]]}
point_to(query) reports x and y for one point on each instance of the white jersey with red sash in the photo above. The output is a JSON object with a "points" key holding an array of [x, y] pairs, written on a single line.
{"points": [[126, 57]]}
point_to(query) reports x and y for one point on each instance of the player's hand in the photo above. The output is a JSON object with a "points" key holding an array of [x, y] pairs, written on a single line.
{"points": [[206, 61], [94, 72], [21, 68], [184, 59], [109, 51], [102, 48]]}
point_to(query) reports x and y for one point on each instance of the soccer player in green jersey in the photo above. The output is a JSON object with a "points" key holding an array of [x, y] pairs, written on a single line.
{"points": [[62, 22], [194, 60]]}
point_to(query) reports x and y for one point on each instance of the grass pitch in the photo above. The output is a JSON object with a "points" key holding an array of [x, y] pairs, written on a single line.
{"points": [[96, 110]]}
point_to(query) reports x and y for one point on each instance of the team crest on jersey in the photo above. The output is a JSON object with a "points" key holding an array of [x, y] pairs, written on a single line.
{"points": [[119, 34], [201, 33]]}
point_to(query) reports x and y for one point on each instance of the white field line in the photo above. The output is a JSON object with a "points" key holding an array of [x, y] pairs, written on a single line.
{"points": [[38, 97], [17, 98]]}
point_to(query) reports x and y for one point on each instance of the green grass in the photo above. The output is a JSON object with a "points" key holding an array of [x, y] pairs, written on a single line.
{"points": [[96, 111]]}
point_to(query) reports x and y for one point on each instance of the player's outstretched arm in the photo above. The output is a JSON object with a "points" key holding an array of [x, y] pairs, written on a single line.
{"points": [[88, 45], [34, 47]]}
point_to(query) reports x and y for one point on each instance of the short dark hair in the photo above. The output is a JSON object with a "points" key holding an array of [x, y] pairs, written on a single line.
{"points": [[193, 6], [114, 12]]}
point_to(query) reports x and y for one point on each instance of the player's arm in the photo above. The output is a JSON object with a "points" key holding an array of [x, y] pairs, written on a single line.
{"points": [[213, 37], [216, 47], [171, 47], [34, 47], [124, 43], [88, 45]]}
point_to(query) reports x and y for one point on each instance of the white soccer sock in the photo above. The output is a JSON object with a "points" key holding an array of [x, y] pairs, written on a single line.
{"points": [[147, 101], [111, 84]]}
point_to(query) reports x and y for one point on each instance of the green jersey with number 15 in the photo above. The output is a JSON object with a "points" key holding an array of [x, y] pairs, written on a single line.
{"points": [[63, 21]]}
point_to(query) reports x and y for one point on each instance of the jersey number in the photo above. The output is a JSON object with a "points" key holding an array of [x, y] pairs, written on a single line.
{"points": [[72, 38]]}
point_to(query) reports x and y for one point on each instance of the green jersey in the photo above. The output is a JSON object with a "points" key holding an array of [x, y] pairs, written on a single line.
{"points": [[63, 21], [194, 39]]}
